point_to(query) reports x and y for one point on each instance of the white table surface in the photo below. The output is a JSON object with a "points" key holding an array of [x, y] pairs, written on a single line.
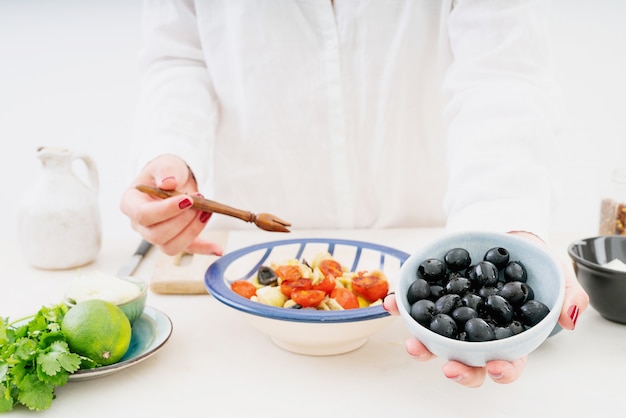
{"points": [[215, 364]]}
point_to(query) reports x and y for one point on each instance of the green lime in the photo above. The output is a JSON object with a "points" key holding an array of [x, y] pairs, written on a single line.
{"points": [[97, 329]]}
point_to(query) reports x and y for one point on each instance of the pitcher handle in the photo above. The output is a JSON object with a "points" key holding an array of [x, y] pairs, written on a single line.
{"points": [[92, 172]]}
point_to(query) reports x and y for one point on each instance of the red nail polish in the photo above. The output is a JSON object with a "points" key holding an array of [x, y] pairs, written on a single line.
{"points": [[573, 312], [185, 203], [204, 217]]}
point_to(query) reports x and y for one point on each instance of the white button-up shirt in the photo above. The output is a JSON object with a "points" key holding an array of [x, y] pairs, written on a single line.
{"points": [[357, 113]]}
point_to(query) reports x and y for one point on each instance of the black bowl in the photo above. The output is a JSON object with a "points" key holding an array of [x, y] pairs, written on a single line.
{"points": [[605, 286]]}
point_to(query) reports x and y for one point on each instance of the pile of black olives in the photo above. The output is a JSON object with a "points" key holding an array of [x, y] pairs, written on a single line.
{"points": [[484, 301]]}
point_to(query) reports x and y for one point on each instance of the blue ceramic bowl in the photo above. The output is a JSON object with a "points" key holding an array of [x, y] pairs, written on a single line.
{"points": [[306, 331], [544, 276], [605, 286]]}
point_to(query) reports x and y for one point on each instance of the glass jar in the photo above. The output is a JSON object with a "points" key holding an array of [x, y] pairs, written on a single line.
{"points": [[613, 207]]}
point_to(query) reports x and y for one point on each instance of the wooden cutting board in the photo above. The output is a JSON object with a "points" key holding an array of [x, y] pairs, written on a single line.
{"points": [[183, 274]]}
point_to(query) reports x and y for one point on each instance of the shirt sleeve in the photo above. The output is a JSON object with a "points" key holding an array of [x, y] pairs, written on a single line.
{"points": [[176, 109], [501, 117]]}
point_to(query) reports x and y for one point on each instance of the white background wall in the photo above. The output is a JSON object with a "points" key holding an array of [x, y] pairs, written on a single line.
{"points": [[68, 77]]}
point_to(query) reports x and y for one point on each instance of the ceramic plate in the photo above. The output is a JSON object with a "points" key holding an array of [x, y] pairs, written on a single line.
{"points": [[243, 263], [150, 332]]}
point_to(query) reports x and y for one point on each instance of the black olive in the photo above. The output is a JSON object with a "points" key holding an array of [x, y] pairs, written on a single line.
{"points": [[477, 329], [419, 289], [423, 311], [447, 303], [499, 309], [517, 293], [485, 292], [432, 270], [457, 259], [483, 273], [532, 312], [444, 325], [498, 256], [515, 271], [472, 300], [436, 291], [266, 276], [458, 286], [462, 314]]}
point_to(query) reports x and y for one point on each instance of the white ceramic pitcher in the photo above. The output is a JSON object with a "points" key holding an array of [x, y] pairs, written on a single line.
{"points": [[59, 219]]}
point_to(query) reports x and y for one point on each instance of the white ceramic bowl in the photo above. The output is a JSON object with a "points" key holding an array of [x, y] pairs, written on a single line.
{"points": [[306, 331], [95, 284], [544, 276]]}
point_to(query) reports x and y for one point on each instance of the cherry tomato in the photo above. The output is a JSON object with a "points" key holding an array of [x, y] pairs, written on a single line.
{"points": [[330, 267], [243, 288], [288, 286], [327, 285], [345, 297], [289, 272], [308, 298], [370, 285]]}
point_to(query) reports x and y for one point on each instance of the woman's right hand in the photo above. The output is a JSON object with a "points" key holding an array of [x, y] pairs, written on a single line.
{"points": [[170, 224]]}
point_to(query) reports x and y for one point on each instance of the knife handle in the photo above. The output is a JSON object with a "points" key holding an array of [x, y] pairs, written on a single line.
{"points": [[143, 248]]}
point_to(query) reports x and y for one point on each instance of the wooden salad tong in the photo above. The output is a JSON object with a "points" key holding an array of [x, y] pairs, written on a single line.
{"points": [[264, 221]]}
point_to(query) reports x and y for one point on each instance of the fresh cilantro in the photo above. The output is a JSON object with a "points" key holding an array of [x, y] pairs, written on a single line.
{"points": [[35, 359]]}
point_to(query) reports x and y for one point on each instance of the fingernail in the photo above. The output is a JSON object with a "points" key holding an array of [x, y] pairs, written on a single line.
{"points": [[167, 178], [185, 203], [204, 217], [388, 294], [456, 378], [496, 376], [415, 356], [573, 312]]}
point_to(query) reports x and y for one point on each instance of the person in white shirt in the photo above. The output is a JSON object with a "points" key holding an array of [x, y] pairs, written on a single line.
{"points": [[349, 114]]}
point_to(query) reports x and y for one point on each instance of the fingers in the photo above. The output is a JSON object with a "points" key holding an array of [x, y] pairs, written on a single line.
{"points": [[177, 235], [471, 377], [172, 238], [205, 247], [502, 372], [417, 350], [576, 299], [163, 215], [170, 224], [390, 304], [169, 172], [499, 371]]}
